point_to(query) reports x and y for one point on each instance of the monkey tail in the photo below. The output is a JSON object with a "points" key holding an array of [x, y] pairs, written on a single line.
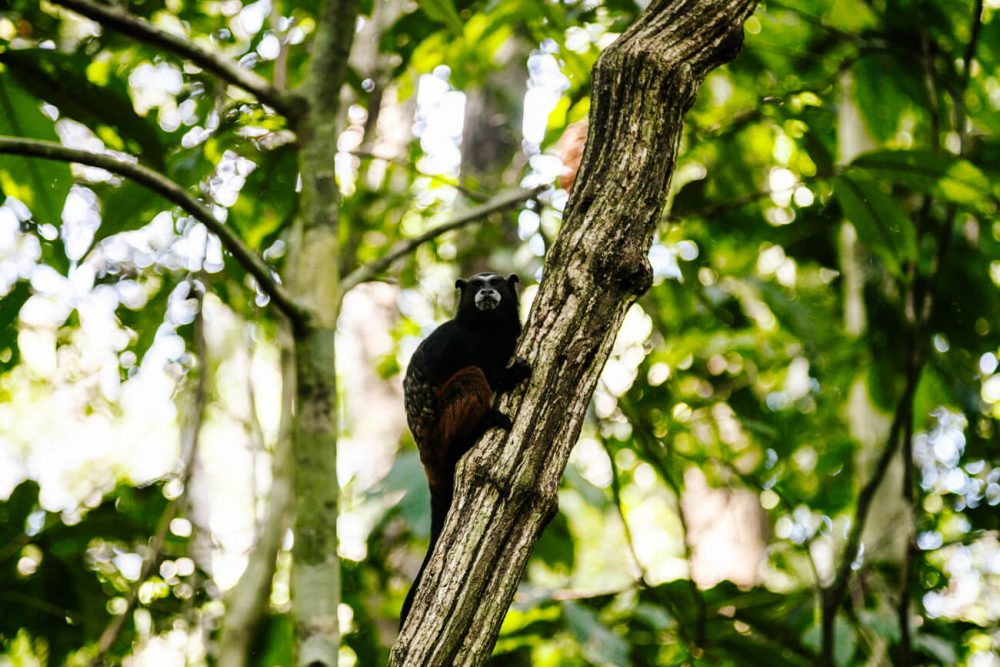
{"points": [[440, 503], [464, 400]]}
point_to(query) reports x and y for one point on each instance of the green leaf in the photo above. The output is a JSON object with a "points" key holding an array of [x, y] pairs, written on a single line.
{"points": [[944, 176], [10, 306], [845, 641], [881, 95], [442, 11], [41, 184], [129, 206], [407, 474], [598, 643], [556, 546], [938, 648], [882, 224], [60, 79], [268, 198]]}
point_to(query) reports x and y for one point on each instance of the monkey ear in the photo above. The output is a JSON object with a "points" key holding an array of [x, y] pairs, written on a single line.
{"points": [[461, 284], [512, 279]]}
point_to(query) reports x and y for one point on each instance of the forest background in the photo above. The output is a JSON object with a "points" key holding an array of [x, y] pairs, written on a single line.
{"points": [[791, 454]]}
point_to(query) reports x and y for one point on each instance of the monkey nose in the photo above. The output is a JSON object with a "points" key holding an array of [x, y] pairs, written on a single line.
{"points": [[487, 299]]}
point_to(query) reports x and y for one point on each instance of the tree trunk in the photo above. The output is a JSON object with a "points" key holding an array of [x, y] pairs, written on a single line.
{"points": [[507, 486], [315, 282]]}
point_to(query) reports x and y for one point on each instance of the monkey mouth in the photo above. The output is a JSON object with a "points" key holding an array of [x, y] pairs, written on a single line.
{"points": [[487, 299]]}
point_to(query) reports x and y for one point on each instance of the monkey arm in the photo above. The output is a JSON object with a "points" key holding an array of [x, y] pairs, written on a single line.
{"points": [[508, 377]]}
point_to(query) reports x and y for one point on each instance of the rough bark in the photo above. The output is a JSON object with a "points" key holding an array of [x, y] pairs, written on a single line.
{"points": [[507, 486]]}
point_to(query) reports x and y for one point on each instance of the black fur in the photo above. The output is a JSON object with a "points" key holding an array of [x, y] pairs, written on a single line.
{"points": [[440, 383], [475, 338]]}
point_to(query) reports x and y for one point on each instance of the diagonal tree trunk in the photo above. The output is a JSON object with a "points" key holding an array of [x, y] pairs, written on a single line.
{"points": [[643, 85]]}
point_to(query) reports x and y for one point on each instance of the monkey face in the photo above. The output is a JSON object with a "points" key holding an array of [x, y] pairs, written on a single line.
{"points": [[486, 291], [487, 298]]}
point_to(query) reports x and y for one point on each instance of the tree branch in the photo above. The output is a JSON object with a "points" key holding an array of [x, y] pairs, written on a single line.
{"points": [[507, 485], [371, 154], [697, 643], [911, 550], [369, 271], [834, 594], [616, 496], [288, 104], [171, 191]]}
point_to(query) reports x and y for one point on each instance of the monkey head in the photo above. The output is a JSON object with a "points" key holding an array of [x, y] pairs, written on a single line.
{"points": [[486, 293]]}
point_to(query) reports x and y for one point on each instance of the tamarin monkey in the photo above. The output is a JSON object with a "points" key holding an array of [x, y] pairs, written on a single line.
{"points": [[450, 384]]}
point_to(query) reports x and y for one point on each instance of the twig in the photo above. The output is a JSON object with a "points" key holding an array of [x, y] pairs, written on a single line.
{"points": [[370, 153], [58, 613], [171, 191], [645, 439], [571, 594], [369, 271], [616, 494], [834, 594], [288, 104], [717, 208], [910, 553], [967, 57], [189, 447]]}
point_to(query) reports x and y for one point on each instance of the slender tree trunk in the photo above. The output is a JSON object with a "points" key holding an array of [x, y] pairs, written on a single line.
{"points": [[315, 282], [507, 486]]}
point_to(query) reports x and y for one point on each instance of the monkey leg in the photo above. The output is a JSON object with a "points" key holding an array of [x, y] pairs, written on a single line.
{"points": [[463, 401]]}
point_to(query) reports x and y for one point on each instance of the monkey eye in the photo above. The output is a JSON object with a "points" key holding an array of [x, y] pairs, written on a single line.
{"points": [[494, 282]]}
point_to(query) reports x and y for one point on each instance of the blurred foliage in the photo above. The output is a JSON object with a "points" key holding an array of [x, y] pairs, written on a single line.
{"points": [[836, 178]]}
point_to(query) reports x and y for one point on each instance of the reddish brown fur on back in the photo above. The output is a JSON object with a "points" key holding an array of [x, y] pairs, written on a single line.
{"points": [[463, 401]]}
